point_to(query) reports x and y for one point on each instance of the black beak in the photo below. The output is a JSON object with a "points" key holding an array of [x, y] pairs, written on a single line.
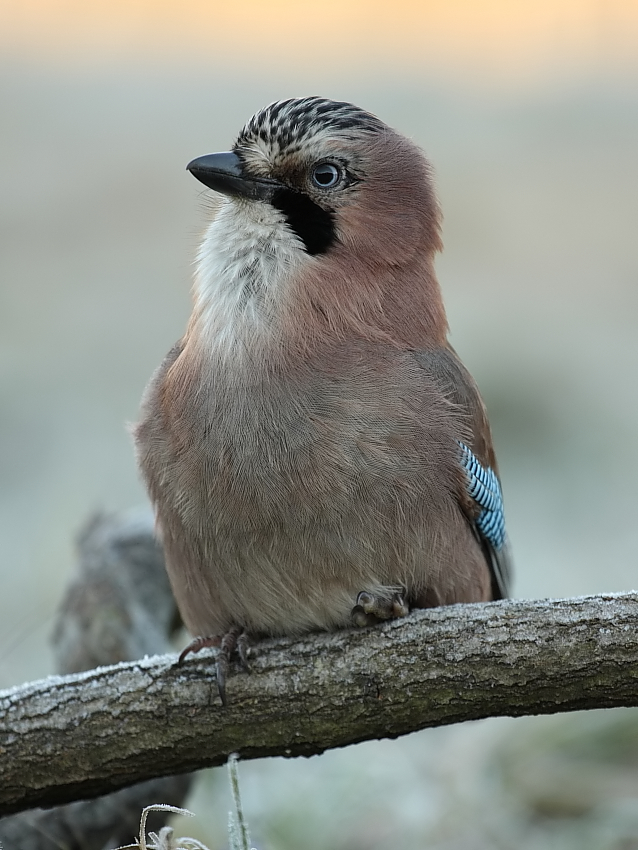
{"points": [[224, 172]]}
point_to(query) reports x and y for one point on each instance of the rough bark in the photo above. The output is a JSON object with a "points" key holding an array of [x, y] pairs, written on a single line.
{"points": [[81, 735]]}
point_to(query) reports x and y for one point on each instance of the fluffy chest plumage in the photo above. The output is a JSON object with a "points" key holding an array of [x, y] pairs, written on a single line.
{"points": [[254, 446]]}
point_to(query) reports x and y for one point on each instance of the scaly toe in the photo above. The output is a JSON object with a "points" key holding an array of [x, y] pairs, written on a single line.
{"points": [[243, 651], [361, 619]]}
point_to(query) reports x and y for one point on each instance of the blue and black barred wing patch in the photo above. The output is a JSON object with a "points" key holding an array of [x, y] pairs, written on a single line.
{"points": [[484, 488], [485, 491]]}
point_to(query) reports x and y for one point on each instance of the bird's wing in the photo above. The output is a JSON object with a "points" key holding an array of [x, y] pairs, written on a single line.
{"points": [[482, 501]]}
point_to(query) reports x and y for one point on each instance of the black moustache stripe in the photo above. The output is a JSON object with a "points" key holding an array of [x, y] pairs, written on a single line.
{"points": [[312, 224]]}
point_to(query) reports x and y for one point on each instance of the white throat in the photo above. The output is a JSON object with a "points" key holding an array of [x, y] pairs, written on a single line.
{"points": [[243, 269]]}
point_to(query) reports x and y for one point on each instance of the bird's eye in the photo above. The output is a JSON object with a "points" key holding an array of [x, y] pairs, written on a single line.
{"points": [[326, 175]]}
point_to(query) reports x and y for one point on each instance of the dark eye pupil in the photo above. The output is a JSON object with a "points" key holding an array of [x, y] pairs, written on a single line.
{"points": [[325, 174]]}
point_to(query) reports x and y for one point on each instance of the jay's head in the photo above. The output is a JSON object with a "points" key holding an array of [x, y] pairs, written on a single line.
{"points": [[335, 179]]}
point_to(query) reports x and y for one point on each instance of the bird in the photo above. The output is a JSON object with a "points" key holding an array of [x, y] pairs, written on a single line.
{"points": [[317, 455]]}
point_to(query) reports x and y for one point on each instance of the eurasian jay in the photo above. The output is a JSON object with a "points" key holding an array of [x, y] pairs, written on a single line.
{"points": [[316, 453]]}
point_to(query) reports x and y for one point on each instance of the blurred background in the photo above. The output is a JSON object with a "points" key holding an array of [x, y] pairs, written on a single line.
{"points": [[529, 112]]}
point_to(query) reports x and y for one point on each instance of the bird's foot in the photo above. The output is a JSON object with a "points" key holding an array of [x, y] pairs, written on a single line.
{"points": [[234, 642], [372, 608]]}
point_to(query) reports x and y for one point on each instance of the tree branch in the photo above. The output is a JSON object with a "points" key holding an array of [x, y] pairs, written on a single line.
{"points": [[85, 734]]}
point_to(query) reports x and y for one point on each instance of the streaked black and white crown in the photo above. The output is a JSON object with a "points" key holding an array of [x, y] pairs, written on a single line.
{"points": [[296, 120]]}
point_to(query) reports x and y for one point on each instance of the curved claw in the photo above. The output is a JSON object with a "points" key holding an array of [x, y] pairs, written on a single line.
{"points": [[198, 643]]}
